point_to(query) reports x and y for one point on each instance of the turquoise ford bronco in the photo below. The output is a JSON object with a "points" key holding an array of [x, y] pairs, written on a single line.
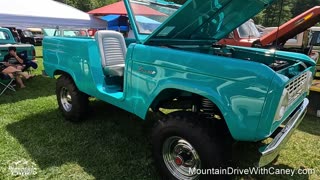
{"points": [[216, 92]]}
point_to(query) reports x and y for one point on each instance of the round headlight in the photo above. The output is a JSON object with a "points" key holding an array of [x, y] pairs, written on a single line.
{"points": [[308, 83], [283, 105], [282, 111], [285, 97]]}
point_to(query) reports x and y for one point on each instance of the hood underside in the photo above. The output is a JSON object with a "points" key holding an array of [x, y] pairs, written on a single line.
{"points": [[205, 21]]}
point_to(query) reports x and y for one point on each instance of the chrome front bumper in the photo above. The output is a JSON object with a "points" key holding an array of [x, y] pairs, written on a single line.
{"points": [[270, 151]]}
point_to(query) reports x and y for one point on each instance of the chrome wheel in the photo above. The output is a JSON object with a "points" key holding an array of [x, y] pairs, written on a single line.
{"points": [[181, 158], [66, 99]]}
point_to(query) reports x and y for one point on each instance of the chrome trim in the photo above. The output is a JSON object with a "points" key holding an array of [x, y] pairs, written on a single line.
{"points": [[66, 99], [270, 151], [178, 148], [297, 87]]}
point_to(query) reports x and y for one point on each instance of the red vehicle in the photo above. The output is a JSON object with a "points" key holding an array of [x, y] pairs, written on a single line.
{"points": [[244, 35], [248, 35]]}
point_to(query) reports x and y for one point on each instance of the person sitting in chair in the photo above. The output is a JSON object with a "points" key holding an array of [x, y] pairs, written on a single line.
{"points": [[17, 60], [13, 72]]}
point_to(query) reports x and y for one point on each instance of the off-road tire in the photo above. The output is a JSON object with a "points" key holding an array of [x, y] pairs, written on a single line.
{"points": [[79, 103], [188, 126]]}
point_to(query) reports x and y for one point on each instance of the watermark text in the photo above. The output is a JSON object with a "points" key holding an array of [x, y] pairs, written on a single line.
{"points": [[251, 171]]}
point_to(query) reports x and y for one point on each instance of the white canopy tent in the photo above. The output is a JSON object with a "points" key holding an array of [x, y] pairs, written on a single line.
{"points": [[45, 14]]}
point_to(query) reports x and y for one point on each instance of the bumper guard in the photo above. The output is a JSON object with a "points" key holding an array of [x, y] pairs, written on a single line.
{"points": [[270, 151]]}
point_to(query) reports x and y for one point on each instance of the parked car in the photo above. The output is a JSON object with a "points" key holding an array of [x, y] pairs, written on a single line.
{"points": [[302, 42], [27, 37], [217, 93], [244, 35], [37, 33], [248, 35], [7, 40], [71, 32]]}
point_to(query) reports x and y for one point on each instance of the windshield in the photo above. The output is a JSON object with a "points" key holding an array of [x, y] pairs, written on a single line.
{"points": [[149, 14], [71, 33], [248, 30], [27, 33]]}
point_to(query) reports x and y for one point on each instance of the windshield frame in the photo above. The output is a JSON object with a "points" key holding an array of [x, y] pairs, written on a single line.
{"points": [[141, 36]]}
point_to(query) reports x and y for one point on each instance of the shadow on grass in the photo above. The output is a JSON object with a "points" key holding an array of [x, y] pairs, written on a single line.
{"points": [[310, 124], [38, 86], [111, 144], [245, 156]]}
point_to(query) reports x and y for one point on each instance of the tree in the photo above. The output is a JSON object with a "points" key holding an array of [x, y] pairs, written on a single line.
{"points": [[268, 17], [278, 12], [301, 6], [86, 5]]}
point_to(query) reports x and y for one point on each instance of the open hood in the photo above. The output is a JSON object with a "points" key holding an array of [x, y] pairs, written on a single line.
{"points": [[293, 27], [205, 21]]}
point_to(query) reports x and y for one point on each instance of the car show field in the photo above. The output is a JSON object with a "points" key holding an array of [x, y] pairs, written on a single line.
{"points": [[145, 89], [112, 142]]}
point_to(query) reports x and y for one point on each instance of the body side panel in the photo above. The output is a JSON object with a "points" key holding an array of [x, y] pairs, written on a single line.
{"points": [[230, 85]]}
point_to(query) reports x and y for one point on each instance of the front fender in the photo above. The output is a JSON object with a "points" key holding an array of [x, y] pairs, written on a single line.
{"points": [[240, 104]]}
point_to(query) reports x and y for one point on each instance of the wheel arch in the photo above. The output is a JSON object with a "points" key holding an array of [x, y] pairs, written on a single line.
{"points": [[63, 72], [166, 94], [60, 72]]}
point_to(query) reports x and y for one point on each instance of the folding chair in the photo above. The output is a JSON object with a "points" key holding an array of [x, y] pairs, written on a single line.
{"points": [[6, 81]]}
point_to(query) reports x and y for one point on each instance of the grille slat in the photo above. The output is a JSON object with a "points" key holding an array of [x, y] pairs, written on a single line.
{"points": [[296, 87]]}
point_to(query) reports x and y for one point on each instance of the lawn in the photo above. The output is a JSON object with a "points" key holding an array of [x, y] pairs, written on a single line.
{"points": [[111, 144]]}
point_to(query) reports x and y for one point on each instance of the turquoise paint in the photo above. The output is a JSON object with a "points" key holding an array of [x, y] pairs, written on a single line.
{"points": [[243, 87], [9, 39], [243, 90], [221, 18], [210, 20]]}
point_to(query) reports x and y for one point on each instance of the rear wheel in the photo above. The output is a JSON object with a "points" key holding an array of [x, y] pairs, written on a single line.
{"points": [[182, 147], [72, 103]]}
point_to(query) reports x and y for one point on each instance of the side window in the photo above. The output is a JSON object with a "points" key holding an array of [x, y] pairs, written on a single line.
{"points": [[4, 36]]}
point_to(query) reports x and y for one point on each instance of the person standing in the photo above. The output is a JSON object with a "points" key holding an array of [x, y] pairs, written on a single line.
{"points": [[16, 35]]}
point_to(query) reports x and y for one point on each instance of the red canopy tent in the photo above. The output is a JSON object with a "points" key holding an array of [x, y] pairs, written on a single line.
{"points": [[119, 8]]}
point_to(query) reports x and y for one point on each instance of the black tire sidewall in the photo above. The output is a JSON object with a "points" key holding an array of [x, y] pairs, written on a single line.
{"points": [[79, 100], [208, 148]]}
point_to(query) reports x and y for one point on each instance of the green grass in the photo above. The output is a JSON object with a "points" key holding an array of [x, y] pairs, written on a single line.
{"points": [[111, 144]]}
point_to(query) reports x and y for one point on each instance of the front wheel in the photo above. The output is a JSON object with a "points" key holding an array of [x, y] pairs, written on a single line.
{"points": [[183, 147], [72, 103]]}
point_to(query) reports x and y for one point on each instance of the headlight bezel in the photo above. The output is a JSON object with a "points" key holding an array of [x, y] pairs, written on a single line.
{"points": [[283, 105], [309, 81]]}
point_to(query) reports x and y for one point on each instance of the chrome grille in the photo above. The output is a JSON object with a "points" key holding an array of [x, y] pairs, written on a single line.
{"points": [[297, 87]]}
